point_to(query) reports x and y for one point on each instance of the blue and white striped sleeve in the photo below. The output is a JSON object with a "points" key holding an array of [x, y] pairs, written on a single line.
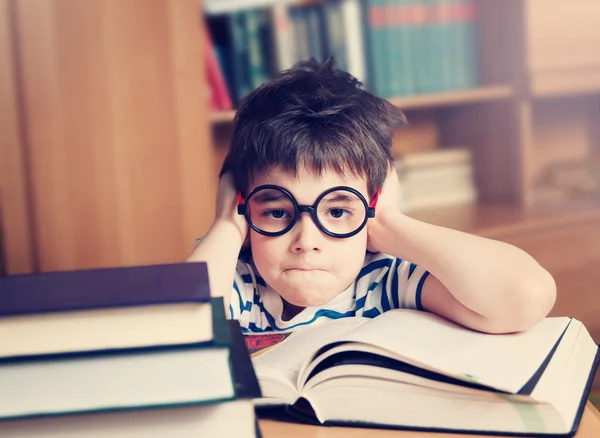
{"points": [[237, 297], [407, 284], [243, 290]]}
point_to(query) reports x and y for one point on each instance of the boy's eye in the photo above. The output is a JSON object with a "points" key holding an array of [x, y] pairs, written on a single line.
{"points": [[276, 214], [338, 213]]}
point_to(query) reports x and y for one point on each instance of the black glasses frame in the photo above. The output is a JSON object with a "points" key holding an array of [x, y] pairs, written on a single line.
{"points": [[298, 209]]}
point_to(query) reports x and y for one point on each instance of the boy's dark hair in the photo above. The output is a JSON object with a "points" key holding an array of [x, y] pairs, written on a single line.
{"points": [[316, 116]]}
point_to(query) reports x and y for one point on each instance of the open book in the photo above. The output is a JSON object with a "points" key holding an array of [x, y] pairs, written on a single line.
{"points": [[414, 370]]}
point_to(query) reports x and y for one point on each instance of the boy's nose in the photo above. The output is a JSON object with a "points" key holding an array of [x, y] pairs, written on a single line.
{"points": [[307, 236]]}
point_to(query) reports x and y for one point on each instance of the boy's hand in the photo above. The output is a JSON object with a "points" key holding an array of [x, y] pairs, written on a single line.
{"points": [[226, 209], [388, 204]]}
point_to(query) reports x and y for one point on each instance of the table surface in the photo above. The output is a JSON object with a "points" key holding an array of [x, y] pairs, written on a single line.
{"points": [[588, 428]]}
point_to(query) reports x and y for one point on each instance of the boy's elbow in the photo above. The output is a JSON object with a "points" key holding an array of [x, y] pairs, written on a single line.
{"points": [[534, 299], [540, 296]]}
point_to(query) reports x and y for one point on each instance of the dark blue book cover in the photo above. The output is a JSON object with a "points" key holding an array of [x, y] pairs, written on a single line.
{"points": [[103, 288], [246, 383]]}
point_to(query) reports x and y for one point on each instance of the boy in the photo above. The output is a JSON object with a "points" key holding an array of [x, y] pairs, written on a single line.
{"points": [[309, 163]]}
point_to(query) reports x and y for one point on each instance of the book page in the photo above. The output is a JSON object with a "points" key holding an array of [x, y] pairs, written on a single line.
{"points": [[283, 361], [504, 362]]}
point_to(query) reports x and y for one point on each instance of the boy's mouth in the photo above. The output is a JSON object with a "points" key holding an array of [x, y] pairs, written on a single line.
{"points": [[304, 269]]}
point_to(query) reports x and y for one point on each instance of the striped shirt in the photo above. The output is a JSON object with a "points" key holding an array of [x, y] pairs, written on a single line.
{"points": [[383, 283]]}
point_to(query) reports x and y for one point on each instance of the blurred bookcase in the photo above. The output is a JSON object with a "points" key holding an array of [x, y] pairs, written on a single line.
{"points": [[532, 99], [111, 149]]}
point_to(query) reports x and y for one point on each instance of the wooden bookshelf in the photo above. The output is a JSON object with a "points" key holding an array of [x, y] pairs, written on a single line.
{"points": [[488, 93]]}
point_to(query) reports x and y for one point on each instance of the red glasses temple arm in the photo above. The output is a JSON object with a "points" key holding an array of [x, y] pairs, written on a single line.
{"points": [[375, 198]]}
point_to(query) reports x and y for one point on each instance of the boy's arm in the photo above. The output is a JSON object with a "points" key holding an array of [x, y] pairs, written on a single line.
{"points": [[481, 283], [221, 245]]}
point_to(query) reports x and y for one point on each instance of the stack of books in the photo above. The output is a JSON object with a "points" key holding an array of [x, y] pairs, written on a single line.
{"points": [[436, 178], [139, 351], [574, 182]]}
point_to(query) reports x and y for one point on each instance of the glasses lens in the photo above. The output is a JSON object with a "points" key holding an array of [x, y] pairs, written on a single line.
{"points": [[270, 210], [341, 212]]}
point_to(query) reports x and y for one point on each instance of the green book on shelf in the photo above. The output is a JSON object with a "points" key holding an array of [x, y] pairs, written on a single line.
{"points": [[239, 53], [466, 42], [401, 42], [423, 47], [258, 69], [443, 47], [378, 47]]}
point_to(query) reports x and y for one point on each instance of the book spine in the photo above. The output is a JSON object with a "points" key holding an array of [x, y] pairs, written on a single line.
{"points": [[378, 48], [451, 172], [354, 39], [445, 45], [400, 39], [462, 18], [334, 30], [256, 55], [283, 38], [469, 22], [421, 46], [312, 19], [435, 158], [300, 34], [220, 98], [410, 203], [239, 54]]}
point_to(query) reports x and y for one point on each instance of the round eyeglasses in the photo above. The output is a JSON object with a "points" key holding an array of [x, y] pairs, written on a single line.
{"points": [[338, 212]]}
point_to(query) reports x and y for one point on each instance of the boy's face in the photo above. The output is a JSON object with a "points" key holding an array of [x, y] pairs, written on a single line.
{"points": [[305, 266]]}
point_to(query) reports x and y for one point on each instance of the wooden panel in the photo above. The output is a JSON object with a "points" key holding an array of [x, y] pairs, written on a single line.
{"points": [[420, 134], [500, 53], [562, 34], [492, 132], [564, 129], [115, 107], [15, 224]]}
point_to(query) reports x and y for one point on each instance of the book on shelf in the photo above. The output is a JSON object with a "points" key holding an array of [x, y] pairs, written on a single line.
{"points": [[436, 178], [460, 195], [69, 311], [568, 182], [225, 6], [410, 369], [229, 418], [434, 157], [219, 94]]}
